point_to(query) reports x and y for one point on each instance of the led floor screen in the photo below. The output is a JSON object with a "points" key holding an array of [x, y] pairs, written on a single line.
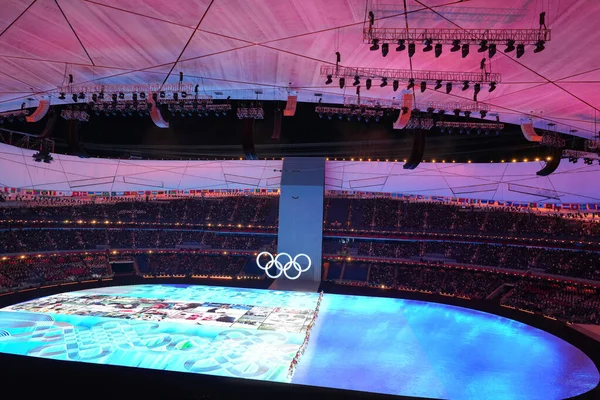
{"points": [[381, 345]]}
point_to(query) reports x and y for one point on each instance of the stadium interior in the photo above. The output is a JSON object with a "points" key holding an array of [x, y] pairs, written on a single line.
{"points": [[435, 162]]}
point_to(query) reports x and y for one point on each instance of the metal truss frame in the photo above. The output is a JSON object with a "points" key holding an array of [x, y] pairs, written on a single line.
{"points": [[250, 113], [354, 111], [470, 125], [448, 36], [338, 71], [25, 140], [359, 101], [128, 89]]}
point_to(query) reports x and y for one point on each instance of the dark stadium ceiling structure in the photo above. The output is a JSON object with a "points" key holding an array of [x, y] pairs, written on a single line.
{"points": [[233, 48]]}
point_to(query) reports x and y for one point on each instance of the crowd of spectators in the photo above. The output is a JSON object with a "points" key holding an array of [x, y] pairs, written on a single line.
{"points": [[566, 301], [40, 270], [381, 214], [53, 239], [189, 264], [572, 263], [242, 209]]}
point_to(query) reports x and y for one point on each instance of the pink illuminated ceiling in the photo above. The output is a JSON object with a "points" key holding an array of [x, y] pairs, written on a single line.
{"points": [[238, 46]]}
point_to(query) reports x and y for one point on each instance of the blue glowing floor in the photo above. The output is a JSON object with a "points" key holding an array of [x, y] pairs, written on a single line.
{"points": [[361, 343]]}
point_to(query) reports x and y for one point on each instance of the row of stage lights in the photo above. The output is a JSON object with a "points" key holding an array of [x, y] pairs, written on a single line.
{"points": [[484, 46], [411, 84]]}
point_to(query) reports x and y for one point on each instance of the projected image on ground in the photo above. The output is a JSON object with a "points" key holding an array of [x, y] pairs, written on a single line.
{"points": [[360, 343]]}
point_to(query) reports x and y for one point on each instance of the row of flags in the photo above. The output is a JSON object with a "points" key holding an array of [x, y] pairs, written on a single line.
{"points": [[456, 200], [33, 192]]}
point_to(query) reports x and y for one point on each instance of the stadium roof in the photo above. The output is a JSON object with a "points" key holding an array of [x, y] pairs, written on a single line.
{"points": [[238, 46]]}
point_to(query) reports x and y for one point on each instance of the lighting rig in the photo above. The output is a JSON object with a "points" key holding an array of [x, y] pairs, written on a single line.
{"points": [[253, 110], [348, 112], [422, 78], [553, 139], [420, 120], [438, 106], [468, 127], [486, 40], [75, 114], [10, 116], [82, 92], [574, 156], [44, 152]]}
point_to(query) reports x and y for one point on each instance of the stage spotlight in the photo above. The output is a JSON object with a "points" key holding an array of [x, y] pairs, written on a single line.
{"points": [[329, 116], [121, 95], [385, 48], [134, 97], [483, 113], [395, 85], [428, 46], [175, 96], [510, 46], [383, 82], [457, 112], [492, 87], [183, 95], [477, 88], [539, 46], [411, 49], [468, 114], [368, 83], [61, 96], [588, 161], [441, 112], [356, 81], [340, 117], [423, 86], [448, 87], [401, 45], [74, 97], [491, 50], [81, 96], [101, 95], [438, 85], [483, 46], [143, 95], [465, 50], [342, 83], [455, 46], [163, 95], [114, 98], [329, 80], [438, 50], [375, 45], [442, 129], [465, 85], [94, 97], [520, 50], [411, 84]]}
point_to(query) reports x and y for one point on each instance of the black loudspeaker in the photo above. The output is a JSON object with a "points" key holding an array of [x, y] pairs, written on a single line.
{"points": [[248, 139], [418, 148], [49, 125], [551, 165]]}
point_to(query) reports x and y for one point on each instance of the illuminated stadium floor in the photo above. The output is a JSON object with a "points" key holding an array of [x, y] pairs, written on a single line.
{"points": [[361, 343]]}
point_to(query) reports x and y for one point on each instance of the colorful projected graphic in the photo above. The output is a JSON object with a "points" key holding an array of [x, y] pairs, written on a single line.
{"points": [[360, 343]]}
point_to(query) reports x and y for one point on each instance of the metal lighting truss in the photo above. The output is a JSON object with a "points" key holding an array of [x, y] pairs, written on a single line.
{"points": [[25, 140], [127, 106], [15, 113], [592, 144], [149, 88], [470, 125], [448, 36], [350, 111], [472, 106], [78, 115], [425, 123], [406, 74], [553, 139], [574, 154], [195, 107], [250, 113]]}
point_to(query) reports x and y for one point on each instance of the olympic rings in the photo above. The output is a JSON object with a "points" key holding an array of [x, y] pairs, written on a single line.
{"points": [[283, 268]]}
